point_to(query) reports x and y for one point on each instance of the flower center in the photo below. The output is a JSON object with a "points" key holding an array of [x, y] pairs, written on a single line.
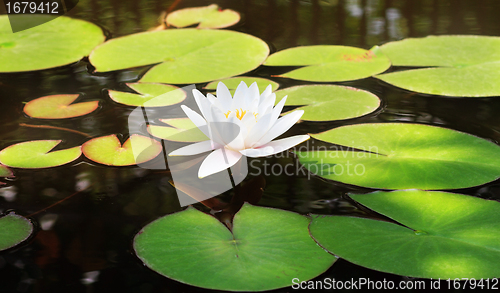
{"points": [[240, 113]]}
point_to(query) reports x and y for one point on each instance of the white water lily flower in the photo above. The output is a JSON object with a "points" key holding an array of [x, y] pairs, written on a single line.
{"points": [[243, 125]]}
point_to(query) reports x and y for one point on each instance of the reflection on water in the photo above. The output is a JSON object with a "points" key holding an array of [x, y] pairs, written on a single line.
{"points": [[84, 242]]}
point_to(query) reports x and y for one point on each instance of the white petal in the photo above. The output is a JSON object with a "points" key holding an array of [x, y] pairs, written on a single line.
{"points": [[203, 104], [275, 147], [267, 104], [258, 130], [217, 161], [239, 96], [281, 126], [266, 93], [226, 131], [224, 96], [195, 148], [253, 94], [197, 119], [277, 110]]}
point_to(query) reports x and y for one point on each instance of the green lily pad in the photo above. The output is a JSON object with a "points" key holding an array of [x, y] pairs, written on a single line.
{"points": [[182, 130], [210, 16], [404, 156], [14, 229], [58, 42], [468, 66], [330, 63], [185, 55], [150, 95], [37, 154], [445, 235], [233, 82], [108, 150], [266, 249], [329, 102], [58, 107]]}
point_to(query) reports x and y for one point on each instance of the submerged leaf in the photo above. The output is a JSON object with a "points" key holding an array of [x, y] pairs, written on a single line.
{"points": [[329, 102], [469, 66], [403, 156], [14, 229], [108, 150], [266, 249], [208, 17], [150, 95], [58, 42], [185, 55], [58, 107], [182, 130], [330, 63], [442, 235], [36, 154]]}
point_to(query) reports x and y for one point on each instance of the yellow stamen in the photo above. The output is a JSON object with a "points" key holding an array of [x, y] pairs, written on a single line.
{"points": [[239, 114], [227, 114]]}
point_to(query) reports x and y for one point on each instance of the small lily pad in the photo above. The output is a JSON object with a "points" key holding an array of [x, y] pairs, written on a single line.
{"points": [[182, 130], [58, 107], [266, 249], [330, 63], [233, 82], [404, 156], [329, 102], [150, 95], [442, 235], [5, 171], [208, 17], [36, 154], [467, 66], [108, 150], [14, 229], [185, 55], [58, 42]]}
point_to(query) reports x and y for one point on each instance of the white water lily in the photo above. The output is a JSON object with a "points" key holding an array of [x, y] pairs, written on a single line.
{"points": [[243, 125]]}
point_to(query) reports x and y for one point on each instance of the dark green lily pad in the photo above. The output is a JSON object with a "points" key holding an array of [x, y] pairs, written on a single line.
{"points": [[233, 82], [329, 102], [468, 66], [181, 130], [37, 154], [404, 156], [55, 43], [58, 107], [14, 229], [150, 95], [330, 63], [445, 235], [210, 16], [185, 55], [108, 150], [266, 250]]}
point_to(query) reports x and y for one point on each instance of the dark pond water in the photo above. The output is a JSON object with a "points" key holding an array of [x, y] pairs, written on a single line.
{"points": [[84, 243]]}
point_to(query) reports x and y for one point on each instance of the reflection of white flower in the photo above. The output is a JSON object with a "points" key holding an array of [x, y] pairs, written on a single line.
{"points": [[243, 125]]}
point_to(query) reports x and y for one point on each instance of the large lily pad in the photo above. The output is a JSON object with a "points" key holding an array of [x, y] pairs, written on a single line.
{"points": [[150, 95], [330, 63], [444, 235], [181, 130], [329, 102], [210, 16], [403, 156], [37, 154], [55, 43], [266, 249], [14, 229], [469, 66], [109, 151], [185, 55], [233, 82], [58, 107]]}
